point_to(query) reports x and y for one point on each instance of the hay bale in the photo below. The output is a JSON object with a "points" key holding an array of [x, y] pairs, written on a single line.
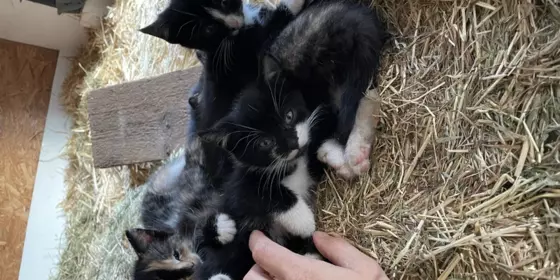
{"points": [[466, 173]]}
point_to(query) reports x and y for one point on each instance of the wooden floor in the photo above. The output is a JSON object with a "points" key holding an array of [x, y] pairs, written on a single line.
{"points": [[26, 75]]}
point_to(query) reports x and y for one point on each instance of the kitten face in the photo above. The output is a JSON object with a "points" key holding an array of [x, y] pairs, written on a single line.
{"points": [[266, 129], [161, 255], [198, 24]]}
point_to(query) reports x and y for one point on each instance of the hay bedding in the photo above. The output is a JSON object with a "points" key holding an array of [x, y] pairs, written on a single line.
{"points": [[466, 180]]}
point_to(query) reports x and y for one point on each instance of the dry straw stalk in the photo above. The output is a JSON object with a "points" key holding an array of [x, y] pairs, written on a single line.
{"points": [[466, 176]]}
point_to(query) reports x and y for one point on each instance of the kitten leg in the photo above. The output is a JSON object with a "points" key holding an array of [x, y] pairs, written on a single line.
{"points": [[225, 228], [298, 220], [332, 153], [359, 143]]}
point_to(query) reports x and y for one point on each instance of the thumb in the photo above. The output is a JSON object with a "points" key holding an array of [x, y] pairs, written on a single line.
{"points": [[281, 263], [272, 257], [343, 254]]}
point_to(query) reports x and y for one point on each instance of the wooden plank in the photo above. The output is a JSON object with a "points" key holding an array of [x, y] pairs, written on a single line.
{"points": [[140, 121], [26, 78]]}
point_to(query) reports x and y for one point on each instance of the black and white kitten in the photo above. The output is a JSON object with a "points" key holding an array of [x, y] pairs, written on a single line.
{"points": [[175, 214], [271, 188], [231, 35], [331, 52]]}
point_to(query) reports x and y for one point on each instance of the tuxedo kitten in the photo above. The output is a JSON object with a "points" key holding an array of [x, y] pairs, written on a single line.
{"points": [[174, 213], [332, 52], [271, 188], [230, 46]]}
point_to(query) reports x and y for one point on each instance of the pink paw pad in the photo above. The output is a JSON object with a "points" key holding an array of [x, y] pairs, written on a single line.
{"points": [[361, 156]]}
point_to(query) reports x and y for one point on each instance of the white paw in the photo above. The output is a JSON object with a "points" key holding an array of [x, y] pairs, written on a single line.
{"points": [[332, 153], [225, 227], [220, 277]]}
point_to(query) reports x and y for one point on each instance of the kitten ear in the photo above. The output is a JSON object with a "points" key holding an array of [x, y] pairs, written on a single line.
{"points": [[271, 67], [140, 239], [159, 28]]}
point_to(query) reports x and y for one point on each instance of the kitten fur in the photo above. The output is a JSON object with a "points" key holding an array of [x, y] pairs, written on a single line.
{"points": [[271, 188], [331, 52], [230, 50], [175, 208]]}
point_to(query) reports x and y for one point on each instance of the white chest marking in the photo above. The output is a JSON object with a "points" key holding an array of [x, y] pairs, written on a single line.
{"points": [[299, 181], [298, 220], [302, 132]]}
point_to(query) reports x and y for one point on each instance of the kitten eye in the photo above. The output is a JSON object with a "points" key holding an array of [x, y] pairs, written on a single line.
{"points": [[289, 117], [265, 143], [176, 255]]}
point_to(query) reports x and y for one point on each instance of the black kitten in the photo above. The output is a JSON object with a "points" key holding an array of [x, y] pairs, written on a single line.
{"points": [[332, 52], [231, 54], [271, 188]]}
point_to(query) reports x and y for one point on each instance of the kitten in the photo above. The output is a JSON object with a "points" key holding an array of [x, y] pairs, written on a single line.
{"points": [[271, 188], [231, 35], [175, 211], [332, 51]]}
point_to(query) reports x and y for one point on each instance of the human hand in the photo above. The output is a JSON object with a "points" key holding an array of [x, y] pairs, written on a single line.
{"points": [[276, 262]]}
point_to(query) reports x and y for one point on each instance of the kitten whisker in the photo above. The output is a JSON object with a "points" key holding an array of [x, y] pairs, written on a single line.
{"points": [[255, 137], [181, 28], [183, 12], [192, 31], [244, 126], [285, 95], [228, 57], [276, 95]]}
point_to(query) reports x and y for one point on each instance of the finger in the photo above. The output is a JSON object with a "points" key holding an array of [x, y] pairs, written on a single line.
{"points": [[256, 273], [280, 263], [343, 254], [271, 257]]}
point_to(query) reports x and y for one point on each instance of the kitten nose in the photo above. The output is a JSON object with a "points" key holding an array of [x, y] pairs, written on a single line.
{"points": [[293, 144]]}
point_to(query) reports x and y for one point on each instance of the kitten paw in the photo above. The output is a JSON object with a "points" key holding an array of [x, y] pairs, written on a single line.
{"points": [[220, 277], [357, 155], [331, 153], [225, 228]]}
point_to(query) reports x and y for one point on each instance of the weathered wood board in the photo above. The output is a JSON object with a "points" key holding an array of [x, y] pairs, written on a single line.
{"points": [[26, 78], [140, 121]]}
